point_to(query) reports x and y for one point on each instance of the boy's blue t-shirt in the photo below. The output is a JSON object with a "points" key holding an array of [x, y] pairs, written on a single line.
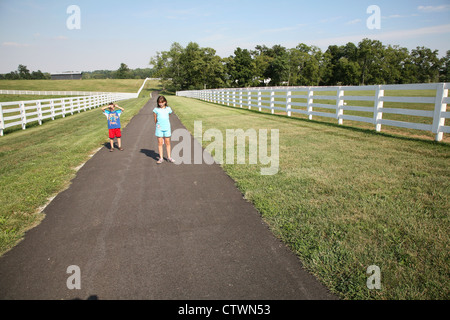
{"points": [[113, 118], [162, 118]]}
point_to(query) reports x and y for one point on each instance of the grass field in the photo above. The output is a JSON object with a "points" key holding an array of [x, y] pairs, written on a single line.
{"points": [[346, 198], [103, 85]]}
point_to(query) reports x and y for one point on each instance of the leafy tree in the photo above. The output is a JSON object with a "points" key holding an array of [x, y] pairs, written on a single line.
{"points": [[427, 64], [35, 75], [241, 68], [192, 67], [370, 56], [445, 68], [13, 75], [214, 73], [304, 65], [24, 73], [261, 61], [123, 72], [278, 69]]}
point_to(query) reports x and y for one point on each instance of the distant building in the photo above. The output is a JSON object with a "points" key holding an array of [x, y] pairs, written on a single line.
{"points": [[66, 76]]}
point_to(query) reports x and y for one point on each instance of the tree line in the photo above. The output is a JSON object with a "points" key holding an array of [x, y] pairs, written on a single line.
{"points": [[124, 72], [369, 62], [22, 73]]}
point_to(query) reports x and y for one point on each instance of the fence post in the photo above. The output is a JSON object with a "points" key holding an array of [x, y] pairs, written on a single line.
{"points": [[259, 100], [339, 105], [272, 101], [439, 107], [39, 111], [63, 107], [249, 99], [288, 103], [71, 106], [378, 106], [23, 115], [2, 123], [52, 108], [309, 108]]}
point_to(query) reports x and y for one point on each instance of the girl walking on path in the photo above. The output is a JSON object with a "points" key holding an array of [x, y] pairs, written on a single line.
{"points": [[163, 131]]}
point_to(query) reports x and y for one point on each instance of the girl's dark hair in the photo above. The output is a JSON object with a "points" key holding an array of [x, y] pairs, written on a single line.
{"points": [[161, 99]]}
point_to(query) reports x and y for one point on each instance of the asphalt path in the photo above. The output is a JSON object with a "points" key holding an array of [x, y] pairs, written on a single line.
{"points": [[129, 228]]}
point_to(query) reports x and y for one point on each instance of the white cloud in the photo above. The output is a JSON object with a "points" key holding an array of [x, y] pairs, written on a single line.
{"points": [[283, 29], [385, 36], [442, 8], [330, 20], [354, 21], [212, 37], [187, 14], [14, 44]]}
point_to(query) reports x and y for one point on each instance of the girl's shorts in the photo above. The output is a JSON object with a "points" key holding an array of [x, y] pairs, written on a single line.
{"points": [[163, 133]]}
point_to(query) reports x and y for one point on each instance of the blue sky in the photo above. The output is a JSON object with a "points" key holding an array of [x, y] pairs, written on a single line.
{"points": [[34, 32]]}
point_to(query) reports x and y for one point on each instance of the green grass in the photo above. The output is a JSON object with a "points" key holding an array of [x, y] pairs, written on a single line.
{"points": [[39, 162], [94, 85], [347, 198]]}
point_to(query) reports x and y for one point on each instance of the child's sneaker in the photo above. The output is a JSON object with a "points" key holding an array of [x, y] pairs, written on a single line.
{"points": [[171, 160]]}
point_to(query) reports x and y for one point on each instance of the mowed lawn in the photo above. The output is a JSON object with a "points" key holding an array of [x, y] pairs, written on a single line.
{"points": [[346, 198], [94, 85]]}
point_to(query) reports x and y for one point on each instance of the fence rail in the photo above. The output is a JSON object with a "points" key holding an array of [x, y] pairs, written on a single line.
{"points": [[362, 103]]}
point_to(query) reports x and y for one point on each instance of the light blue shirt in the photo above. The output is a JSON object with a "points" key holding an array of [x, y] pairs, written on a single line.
{"points": [[162, 118]]}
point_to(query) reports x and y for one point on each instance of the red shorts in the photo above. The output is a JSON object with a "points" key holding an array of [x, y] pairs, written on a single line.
{"points": [[114, 133]]}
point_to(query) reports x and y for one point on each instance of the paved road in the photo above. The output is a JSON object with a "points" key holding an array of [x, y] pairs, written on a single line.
{"points": [[138, 230]]}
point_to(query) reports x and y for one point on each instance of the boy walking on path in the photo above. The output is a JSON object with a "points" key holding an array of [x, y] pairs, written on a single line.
{"points": [[113, 117]]}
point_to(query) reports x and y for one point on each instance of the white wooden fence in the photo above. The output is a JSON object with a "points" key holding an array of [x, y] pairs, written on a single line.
{"points": [[24, 112], [432, 100]]}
